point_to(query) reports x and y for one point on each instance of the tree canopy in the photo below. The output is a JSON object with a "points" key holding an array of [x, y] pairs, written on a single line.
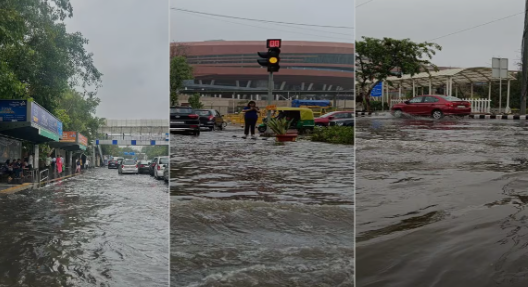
{"points": [[378, 59], [180, 71], [39, 59]]}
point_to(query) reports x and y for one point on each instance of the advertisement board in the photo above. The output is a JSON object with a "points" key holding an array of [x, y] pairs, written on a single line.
{"points": [[13, 110], [82, 139], [44, 119], [69, 137]]}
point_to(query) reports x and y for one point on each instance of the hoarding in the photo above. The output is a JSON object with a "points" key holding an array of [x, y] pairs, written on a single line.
{"points": [[82, 139], [13, 110], [69, 137], [44, 119]]}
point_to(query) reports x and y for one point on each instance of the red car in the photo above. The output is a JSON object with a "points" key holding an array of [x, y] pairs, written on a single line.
{"points": [[325, 119], [435, 106]]}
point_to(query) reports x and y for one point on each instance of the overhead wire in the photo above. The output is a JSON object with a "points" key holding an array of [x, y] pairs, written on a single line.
{"points": [[268, 28], [477, 26], [260, 20]]}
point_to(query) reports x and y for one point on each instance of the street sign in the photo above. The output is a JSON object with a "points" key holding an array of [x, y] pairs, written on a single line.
{"points": [[499, 68], [377, 91]]}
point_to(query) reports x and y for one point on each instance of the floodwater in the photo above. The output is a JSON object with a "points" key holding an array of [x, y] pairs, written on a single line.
{"points": [[442, 203], [98, 229], [252, 213]]}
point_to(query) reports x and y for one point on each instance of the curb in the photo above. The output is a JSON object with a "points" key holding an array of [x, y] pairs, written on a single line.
{"points": [[498, 117], [365, 114], [16, 189]]}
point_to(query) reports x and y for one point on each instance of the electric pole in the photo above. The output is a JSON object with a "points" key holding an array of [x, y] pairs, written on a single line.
{"points": [[524, 81]]}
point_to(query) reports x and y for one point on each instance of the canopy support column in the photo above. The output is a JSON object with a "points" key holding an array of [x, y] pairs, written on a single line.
{"points": [[489, 97], [430, 86], [414, 89], [508, 110]]}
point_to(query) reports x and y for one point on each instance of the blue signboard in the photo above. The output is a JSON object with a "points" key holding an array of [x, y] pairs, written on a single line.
{"points": [[13, 110], [44, 119], [377, 91], [125, 153]]}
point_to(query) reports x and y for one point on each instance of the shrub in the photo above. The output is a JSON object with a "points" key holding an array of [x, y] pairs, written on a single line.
{"points": [[334, 134]]}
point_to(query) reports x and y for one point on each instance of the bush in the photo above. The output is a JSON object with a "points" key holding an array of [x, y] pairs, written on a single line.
{"points": [[376, 106], [334, 134]]}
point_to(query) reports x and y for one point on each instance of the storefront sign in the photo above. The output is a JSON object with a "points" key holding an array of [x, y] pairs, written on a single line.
{"points": [[82, 139], [44, 119], [69, 137], [13, 110]]}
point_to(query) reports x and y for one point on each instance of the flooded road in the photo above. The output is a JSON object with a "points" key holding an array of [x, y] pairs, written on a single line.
{"points": [[97, 229], [442, 203], [251, 213]]}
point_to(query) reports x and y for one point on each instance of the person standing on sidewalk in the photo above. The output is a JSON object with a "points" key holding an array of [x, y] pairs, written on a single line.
{"points": [[250, 119], [48, 161], [59, 165]]}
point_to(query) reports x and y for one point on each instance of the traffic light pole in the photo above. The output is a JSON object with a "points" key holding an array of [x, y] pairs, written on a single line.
{"points": [[270, 94]]}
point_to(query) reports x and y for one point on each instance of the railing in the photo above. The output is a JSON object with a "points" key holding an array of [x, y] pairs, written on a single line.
{"points": [[44, 176], [477, 105]]}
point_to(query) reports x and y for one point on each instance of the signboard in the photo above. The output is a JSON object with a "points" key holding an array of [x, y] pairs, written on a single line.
{"points": [[499, 68], [44, 119], [82, 139], [377, 91], [13, 110], [69, 137], [273, 43]]}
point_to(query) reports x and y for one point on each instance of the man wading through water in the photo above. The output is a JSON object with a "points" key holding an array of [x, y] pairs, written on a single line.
{"points": [[250, 119]]}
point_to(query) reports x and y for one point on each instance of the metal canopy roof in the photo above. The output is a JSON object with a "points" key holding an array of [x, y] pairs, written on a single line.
{"points": [[459, 76]]}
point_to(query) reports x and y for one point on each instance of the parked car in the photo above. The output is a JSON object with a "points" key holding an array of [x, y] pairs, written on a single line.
{"points": [[342, 122], [435, 106], [166, 174], [325, 119], [143, 166], [211, 119], [113, 164], [128, 166], [161, 163], [184, 119], [152, 165]]}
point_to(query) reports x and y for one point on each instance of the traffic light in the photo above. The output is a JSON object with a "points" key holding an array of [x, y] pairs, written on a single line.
{"points": [[270, 59]]}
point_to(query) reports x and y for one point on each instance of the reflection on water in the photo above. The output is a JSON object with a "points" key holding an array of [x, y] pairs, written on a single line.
{"points": [[441, 203], [99, 229], [248, 213]]}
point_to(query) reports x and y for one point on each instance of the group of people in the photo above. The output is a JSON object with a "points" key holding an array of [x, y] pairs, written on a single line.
{"points": [[55, 163], [15, 167]]}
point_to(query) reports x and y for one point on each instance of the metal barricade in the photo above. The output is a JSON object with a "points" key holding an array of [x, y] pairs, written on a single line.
{"points": [[44, 176]]}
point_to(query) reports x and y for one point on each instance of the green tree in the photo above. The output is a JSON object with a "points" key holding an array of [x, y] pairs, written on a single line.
{"points": [[194, 101], [180, 71], [155, 151], [378, 59], [38, 57]]}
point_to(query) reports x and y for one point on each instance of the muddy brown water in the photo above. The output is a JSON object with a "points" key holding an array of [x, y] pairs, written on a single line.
{"points": [[97, 229], [249, 213], [442, 203]]}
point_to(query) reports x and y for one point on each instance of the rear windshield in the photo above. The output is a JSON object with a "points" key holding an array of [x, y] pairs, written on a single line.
{"points": [[452, 99], [203, 113], [164, 160], [181, 111], [143, 162], [129, 162]]}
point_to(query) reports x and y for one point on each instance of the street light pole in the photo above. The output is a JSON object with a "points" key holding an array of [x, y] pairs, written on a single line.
{"points": [[524, 79], [270, 93]]}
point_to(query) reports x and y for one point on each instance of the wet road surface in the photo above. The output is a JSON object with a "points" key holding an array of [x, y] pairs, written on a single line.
{"points": [[249, 213], [442, 203], [97, 229]]}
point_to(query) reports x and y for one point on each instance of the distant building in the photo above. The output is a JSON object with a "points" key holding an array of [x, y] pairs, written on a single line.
{"points": [[305, 66]]}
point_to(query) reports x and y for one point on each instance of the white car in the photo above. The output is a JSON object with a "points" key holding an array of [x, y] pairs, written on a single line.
{"points": [[161, 163], [128, 166]]}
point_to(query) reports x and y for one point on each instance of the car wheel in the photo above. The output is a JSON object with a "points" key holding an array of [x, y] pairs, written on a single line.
{"points": [[197, 133], [398, 113], [221, 127], [437, 114], [211, 128]]}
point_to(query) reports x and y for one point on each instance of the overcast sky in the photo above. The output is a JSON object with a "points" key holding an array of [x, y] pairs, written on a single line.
{"points": [[424, 20], [190, 27], [129, 39]]}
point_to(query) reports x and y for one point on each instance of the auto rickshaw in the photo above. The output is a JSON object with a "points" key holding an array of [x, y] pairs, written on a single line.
{"points": [[302, 118]]}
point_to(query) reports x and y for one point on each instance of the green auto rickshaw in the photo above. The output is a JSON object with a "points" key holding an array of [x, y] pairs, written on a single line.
{"points": [[303, 118]]}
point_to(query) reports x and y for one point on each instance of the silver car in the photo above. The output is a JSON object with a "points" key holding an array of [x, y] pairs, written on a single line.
{"points": [[128, 166], [166, 174]]}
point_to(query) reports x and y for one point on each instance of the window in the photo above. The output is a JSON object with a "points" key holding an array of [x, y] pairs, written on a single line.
{"points": [[430, 100], [129, 162], [164, 160], [203, 113], [181, 111], [416, 100]]}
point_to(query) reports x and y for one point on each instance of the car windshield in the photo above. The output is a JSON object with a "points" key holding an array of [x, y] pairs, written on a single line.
{"points": [[203, 113], [181, 111], [164, 160], [452, 99], [130, 162]]}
